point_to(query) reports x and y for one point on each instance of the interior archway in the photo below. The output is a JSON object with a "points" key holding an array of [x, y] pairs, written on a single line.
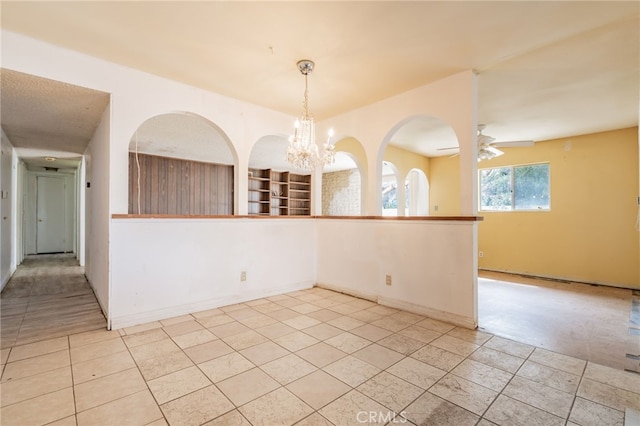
{"points": [[181, 163], [414, 144], [417, 193]]}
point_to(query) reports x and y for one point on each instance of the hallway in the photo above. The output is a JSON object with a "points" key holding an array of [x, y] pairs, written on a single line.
{"points": [[47, 297]]}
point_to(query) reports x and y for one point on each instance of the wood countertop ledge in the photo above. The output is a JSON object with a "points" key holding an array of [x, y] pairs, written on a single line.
{"points": [[406, 218]]}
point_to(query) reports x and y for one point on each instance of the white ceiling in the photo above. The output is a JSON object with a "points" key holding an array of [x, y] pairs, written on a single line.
{"points": [[546, 69]]}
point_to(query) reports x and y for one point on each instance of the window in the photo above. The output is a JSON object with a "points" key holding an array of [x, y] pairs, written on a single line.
{"points": [[515, 188]]}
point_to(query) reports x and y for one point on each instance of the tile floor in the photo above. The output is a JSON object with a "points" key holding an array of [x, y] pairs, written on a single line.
{"points": [[312, 357]]}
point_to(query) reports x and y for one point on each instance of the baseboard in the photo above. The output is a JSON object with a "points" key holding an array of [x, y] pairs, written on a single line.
{"points": [[175, 311], [366, 296], [462, 321], [558, 279], [102, 307], [6, 278]]}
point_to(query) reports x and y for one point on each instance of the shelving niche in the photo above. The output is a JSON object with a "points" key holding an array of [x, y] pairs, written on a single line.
{"points": [[277, 193]]}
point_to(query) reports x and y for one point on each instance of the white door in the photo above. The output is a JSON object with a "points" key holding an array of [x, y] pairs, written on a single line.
{"points": [[50, 214]]}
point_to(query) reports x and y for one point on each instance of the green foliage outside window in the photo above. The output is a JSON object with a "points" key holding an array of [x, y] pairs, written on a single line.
{"points": [[515, 188]]}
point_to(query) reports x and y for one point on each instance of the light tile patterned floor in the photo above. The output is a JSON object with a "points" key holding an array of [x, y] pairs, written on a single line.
{"points": [[312, 357]]}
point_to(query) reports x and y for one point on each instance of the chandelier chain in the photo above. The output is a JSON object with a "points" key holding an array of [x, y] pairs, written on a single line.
{"points": [[305, 102]]}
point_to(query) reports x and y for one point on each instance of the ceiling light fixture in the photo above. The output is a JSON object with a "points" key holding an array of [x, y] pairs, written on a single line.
{"points": [[303, 150], [50, 159], [487, 152]]}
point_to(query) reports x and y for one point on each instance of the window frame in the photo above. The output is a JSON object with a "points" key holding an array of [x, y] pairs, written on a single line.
{"points": [[512, 207]]}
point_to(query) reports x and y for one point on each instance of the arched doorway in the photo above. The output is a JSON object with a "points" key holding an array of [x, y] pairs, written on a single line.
{"points": [[417, 193], [412, 146], [180, 163]]}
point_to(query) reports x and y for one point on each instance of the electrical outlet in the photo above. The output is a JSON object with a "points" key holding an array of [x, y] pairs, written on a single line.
{"points": [[480, 254], [243, 276], [388, 280]]}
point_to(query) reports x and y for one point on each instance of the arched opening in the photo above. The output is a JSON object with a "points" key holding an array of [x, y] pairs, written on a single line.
{"points": [[417, 143], [180, 163], [417, 193]]}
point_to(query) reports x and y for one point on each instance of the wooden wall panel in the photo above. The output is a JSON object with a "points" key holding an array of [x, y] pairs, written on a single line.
{"points": [[175, 186]]}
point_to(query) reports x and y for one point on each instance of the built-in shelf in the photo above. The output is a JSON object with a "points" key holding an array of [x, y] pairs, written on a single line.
{"points": [[276, 193]]}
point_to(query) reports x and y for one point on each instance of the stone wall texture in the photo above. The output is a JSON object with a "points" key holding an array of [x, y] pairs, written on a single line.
{"points": [[341, 193]]}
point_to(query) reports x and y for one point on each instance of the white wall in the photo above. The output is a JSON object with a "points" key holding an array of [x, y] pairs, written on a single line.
{"points": [[137, 96], [124, 290], [452, 99], [167, 267], [8, 176], [431, 263], [97, 217], [71, 211], [29, 213], [81, 181], [21, 168], [189, 265]]}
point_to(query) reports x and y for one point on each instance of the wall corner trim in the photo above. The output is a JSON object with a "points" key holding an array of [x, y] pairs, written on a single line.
{"points": [[449, 317]]}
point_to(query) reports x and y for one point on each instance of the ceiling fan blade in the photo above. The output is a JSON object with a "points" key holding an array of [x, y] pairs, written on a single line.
{"points": [[507, 144], [495, 151], [484, 139]]}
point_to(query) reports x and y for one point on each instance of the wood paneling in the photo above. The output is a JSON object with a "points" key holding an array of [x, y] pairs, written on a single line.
{"points": [[179, 187]]}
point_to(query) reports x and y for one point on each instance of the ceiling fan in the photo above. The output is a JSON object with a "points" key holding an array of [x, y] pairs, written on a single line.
{"points": [[488, 148]]}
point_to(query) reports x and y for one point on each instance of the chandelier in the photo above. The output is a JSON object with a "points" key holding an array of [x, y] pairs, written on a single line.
{"points": [[303, 150]]}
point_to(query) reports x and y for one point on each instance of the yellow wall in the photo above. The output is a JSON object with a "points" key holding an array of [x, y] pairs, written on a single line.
{"points": [[405, 160], [589, 234], [444, 189]]}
